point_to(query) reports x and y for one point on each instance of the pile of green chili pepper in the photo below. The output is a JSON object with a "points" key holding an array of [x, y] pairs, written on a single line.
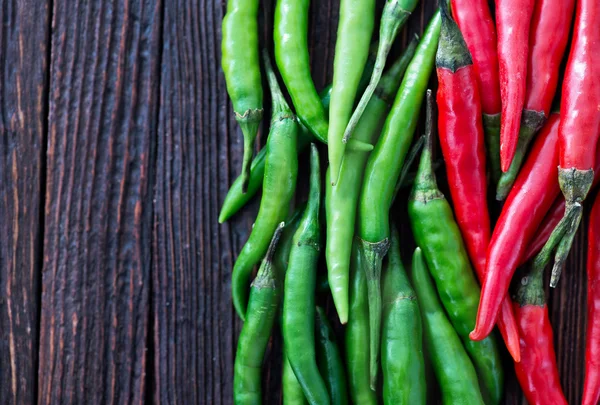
{"points": [[357, 324]]}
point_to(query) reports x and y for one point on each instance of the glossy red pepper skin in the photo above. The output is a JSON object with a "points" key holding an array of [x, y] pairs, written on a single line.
{"points": [[550, 27], [461, 138], [513, 21], [552, 219], [531, 197], [580, 116], [477, 26], [537, 372], [591, 389]]}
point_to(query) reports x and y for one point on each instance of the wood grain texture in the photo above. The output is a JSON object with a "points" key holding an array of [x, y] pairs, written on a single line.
{"points": [[24, 45], [96, 268]]}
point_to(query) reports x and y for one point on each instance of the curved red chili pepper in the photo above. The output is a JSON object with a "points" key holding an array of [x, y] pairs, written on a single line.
{"points": [[531, 197], [513, 20], [553, 217], [461, 137], [477, 26], [591, 388], [550, 29], [580, 115], [537, 372]]}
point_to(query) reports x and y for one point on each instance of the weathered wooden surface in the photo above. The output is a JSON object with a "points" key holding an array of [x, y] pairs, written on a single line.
{"points": [[114, 116]]}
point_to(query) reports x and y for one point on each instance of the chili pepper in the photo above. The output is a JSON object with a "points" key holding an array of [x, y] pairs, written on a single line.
{"points": [[381, 175], [451, 364], [537, 372], [357, 335], [591, 389], [236, 198], [291, 56], [513, 20], [530, 199], [254, 337], [299, 296], [579, 124], [281, 170], [553, 217], [436, 232], [402, 335], [241, 66], [479, 32], [393, 17], [351, 50], [462, 141], [290, 388], [329, 360], [548, 38], [341, 200]]}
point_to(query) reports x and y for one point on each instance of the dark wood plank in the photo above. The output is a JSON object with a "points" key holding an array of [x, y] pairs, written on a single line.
{"points": [[102, 132], [24, 39]]}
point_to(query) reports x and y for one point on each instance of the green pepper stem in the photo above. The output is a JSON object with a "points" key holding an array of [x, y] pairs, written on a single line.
{"points": [[425, 180], [280, 106], [491, 127], [373, 254], [393, 17], [265, 276], [410, 158]]}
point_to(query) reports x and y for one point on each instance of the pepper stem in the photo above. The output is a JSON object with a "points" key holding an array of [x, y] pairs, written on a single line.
{"points": [[280, 106], [393, 17], [491, 127], [531, 122], [531, 291], [410, 158], [249, 122], [452, 53], [425, 180], [373, 254], [265, 276]]}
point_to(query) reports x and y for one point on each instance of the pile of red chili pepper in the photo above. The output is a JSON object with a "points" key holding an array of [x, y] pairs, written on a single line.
{"points": [[516, 112]]}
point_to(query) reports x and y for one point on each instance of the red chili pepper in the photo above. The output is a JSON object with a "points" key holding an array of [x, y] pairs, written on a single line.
{"points": [[513, 19], [530, 199], [479, 31], [591, 388], [477, 26], [553, 217], [550, 27], [461, 137], [537, 372], [579, 126]]}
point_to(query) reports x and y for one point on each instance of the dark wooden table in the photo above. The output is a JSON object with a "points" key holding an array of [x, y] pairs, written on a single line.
{"points": [[117, 146]]}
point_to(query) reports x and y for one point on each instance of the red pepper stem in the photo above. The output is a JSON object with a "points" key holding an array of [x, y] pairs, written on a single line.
{"points": [[452, 53], [531, 290], [531, 122], [562, 251], [372, 256], [564, 231], [491, 127], [392, 18]]}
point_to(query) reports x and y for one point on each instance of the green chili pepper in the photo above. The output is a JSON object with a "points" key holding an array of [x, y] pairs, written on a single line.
{"points": [[437, 233], [382, 171], [451, 364], [351, 51], [290, 387], [254, 337], [291, 55], [394, 16], [281, 170], [357, 335], [329, 360], [236, 198], [241, 65], [299, 297], [402, 335], [341, 200]]}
